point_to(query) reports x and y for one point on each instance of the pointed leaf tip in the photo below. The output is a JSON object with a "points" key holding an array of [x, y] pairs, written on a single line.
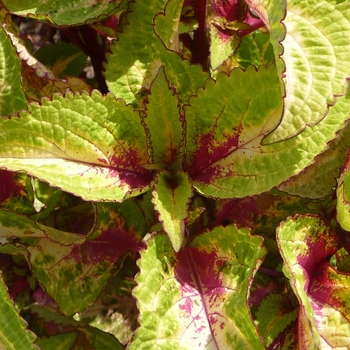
{"points": [[171, 199]]}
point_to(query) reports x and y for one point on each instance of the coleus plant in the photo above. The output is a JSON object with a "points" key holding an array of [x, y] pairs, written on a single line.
{"points": [[195, 193]]}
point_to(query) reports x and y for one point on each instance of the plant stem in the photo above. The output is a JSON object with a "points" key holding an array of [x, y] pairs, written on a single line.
{"points": [[200, 45], [87, 39]]}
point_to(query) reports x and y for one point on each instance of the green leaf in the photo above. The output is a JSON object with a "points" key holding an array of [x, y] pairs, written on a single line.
{"points": [[12, 97], [15, 196], [171, 198], [13, 332], [63, 59], [272, 12], [14, 225], [63, 12], [82, 270], [272, 318], [221, 48], [225, 125], [102, 340], [60, 341], [88, 337], [115, 310], [163, 122], [254, 49], [315, 55], [343, 196], [92, 146], [225, 261], [198, 297], [139, 52], [320, 178], [167, 25], [243, 168]]}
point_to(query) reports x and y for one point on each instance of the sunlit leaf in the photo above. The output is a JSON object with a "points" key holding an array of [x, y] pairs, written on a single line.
{"points": [[83, 144], [315, 56], [163, 122], [139, 52], [82, 270], [171, 198], [13, 332], [306, 242], [63, 12], [198, 297], [12, 97], [228, 160]]}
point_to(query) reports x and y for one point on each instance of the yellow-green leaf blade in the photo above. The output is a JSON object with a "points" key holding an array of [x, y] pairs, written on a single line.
{"points": [[62, 12], [163, 121], [171, 198], [13, 332], [12, 97], [93, 146]]}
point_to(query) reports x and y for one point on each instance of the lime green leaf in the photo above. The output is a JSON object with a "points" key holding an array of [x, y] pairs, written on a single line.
{"points": [[12, 249], [254, 49], [226, 259], [343, 197], [171, 199], [221, 46], [198, 297], [13, 332], [82, 270], [63, 12], [320, 178], [264, 8], [92, 146], [40, 81], [14, 225], [272, 12], [163, 122], [167, 25], [316, 36], [12, 97], [342, 259], [60, 341], [115, 310], [273, 318], [248, 167], [225, 126], [139, 52]]}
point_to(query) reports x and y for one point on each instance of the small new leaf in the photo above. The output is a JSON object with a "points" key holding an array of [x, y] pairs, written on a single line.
{"points": [[171, 198]]}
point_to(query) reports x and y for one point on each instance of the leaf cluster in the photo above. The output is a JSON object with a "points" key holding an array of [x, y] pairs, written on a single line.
{"points": [[174, 174]]}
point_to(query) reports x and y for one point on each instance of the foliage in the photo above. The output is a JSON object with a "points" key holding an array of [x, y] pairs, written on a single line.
{"points": [[193, 191]]}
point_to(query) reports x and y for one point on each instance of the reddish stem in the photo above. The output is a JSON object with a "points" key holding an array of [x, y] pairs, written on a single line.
{"points": [[88, 40], [255, 23], [200, 52]]}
